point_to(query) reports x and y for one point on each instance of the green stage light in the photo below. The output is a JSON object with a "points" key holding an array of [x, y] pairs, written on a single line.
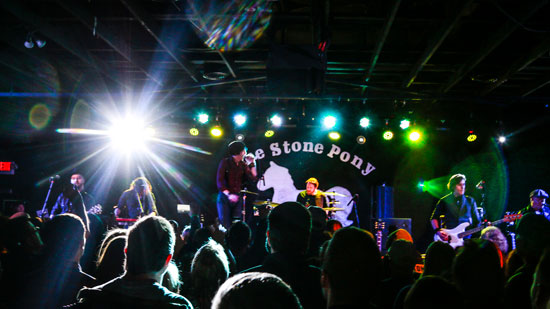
{"points": [[364, 122], [276, 120], [329, 122], [203, 118], [404, 124], [388, 135], [415, 136]]}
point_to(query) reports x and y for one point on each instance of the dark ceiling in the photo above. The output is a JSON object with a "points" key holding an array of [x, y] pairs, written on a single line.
{"points": [[467, 60]]}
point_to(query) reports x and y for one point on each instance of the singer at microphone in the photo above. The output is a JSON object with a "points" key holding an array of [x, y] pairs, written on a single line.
{"points": [[66, 200]]}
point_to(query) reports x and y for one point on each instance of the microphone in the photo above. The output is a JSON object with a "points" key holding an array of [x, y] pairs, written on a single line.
{"points": [[480, 185], [54, 178], [355, 196]]}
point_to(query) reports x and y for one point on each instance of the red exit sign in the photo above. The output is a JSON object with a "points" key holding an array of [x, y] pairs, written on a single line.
{"points": [[5, 166]]}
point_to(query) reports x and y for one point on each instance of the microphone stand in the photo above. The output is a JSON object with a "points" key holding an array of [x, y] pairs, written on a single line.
{"points": [[356, 197], [47, 197]]}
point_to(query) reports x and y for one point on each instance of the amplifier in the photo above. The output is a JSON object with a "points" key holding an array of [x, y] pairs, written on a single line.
{"points": [[382, 227]]}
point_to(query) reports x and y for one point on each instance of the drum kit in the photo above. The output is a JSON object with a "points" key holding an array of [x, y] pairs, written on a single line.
{"points": [[267, 204]]}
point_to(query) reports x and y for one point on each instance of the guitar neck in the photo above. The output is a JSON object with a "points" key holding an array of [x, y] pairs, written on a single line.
{"points": [[479, 228]]}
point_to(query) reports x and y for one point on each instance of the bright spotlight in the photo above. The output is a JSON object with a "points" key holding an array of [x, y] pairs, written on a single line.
{"points": [[203, 118], [334, 135], [130, 134], [471, 137], [194, 131], [239, 119], [502, 139], [361, 139], [216, 131], [276, 120], [364, 122], [404, 124], [239, 137], [414, 136], [269, 133], [388, 135], [329, 122]]}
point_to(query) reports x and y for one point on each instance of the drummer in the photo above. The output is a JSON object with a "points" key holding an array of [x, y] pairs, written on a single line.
{"points": [[311, 196]]}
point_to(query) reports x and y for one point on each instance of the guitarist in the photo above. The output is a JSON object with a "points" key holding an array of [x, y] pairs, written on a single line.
{"points": [[456, 207], [65, 201]]}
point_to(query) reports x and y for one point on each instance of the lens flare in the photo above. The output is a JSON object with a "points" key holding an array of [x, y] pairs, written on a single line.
{"points": [[194, 131], [388, 135], [39, 116], [269, 133]]}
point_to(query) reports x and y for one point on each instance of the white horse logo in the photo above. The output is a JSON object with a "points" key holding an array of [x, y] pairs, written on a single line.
{"points": [[278, 178]]}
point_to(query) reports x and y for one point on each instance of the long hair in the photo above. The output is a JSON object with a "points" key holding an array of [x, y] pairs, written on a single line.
{"points": [[141, 179]]}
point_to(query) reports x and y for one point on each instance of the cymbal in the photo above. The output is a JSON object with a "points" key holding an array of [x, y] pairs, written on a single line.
{"points": [[266, 203], [334, 193], [333, 209], [249, 192]]}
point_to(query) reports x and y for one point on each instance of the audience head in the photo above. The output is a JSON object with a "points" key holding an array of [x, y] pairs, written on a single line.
{"points": [[477, 272], [532, 237], [110, 263], [19, 234], [439, 260], [209, 269], [149, 246], [402, 257], [493, 234], [318, 218], [255, 290], [351, 267], [333, 226], [109, 235], [64, 238], [397, 235], [289, 228], [433, 292], [238, 237], [172, 280]]}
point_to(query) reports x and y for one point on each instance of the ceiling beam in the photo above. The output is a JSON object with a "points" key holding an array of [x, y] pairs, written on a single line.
{"points": [[537, 85], [493, 42], [60, 37], [382, 40], [107, 34], [436, 42], [150, 25], [521, 63]]}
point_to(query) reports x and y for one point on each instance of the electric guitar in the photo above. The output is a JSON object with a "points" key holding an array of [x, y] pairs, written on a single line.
{"points": [[456, 235]]}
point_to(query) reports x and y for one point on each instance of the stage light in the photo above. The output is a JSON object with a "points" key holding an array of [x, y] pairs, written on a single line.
{"points": [[203, 118], [404, 124], [130, 134], [334, 135], [40, 43], [194, 131], [388, 135], [216, 131], [471, 136], [239, 137], [276, 120], [414, 136], [502, 139], [361, 139], [269, 133], [239, 119], [364, 122], [329, 122], [28, 43]]}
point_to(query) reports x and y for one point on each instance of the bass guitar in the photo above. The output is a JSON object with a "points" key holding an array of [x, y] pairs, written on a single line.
{"points": [[456, 236]]}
